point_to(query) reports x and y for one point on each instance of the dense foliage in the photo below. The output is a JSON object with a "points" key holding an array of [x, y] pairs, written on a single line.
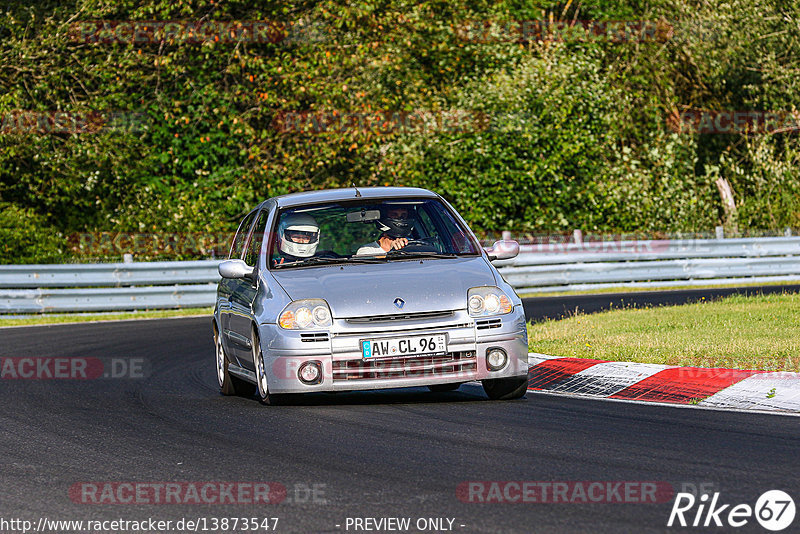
{"points": [[561, 133]]}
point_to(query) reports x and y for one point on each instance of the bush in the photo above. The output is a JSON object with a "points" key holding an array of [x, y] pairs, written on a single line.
{"points": [[579, 135], [557, 155], [25, 237]]}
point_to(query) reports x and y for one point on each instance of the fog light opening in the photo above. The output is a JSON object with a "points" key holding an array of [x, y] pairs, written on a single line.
{"points": [[310, 373], [496, 359]]}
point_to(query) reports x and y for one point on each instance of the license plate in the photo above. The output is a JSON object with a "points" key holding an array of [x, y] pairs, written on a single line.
{"points": [[430, 345]]}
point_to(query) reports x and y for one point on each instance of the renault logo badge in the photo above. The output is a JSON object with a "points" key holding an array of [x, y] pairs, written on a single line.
{"points": [[399, 303]]}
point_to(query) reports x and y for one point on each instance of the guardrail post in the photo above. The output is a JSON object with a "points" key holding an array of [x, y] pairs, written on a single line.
{"points": [[720, 232], [506, 235], [577, 236], [787, 232]]}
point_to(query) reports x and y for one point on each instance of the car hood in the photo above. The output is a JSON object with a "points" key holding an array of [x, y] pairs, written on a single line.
{"points": [[363, 290]]}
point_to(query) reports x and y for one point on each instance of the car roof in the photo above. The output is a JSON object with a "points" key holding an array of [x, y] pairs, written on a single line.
{"points": [[349, 193]]}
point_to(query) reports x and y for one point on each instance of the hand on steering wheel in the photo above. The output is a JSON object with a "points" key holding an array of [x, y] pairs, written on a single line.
{"points": [[398, 243], [424, 244]]}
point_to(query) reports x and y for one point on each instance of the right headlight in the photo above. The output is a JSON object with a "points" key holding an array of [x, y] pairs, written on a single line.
{"points": [[487, 300], [305, 314]]}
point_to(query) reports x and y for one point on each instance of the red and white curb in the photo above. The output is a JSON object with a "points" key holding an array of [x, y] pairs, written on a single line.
{"points": [[706, 387]]}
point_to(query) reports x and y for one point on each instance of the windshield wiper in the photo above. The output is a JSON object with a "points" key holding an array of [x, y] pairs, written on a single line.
{"points": [[325, 260], [363, 259], [400, 253]]}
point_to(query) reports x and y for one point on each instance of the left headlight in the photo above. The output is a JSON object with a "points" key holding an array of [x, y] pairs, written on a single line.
{"points": [[305, 314], [484, 301]]}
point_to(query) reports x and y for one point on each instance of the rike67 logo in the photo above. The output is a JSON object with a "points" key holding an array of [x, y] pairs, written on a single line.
{"points": [[774, 510]]}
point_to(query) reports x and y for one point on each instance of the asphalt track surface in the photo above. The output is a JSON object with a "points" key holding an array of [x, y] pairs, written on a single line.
{"points": [[394, 453]]}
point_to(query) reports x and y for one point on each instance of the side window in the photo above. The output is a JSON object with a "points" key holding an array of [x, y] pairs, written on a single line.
{"points": [[425, 224], [254, 247], [241, 234]]}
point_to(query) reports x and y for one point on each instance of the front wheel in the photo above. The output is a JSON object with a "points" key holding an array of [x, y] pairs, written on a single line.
{"points": [[229, 385], [262, 386], [505, 388]]}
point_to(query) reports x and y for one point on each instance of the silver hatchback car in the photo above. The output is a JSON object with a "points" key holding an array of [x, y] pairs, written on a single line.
{"points": [[357, 289]]}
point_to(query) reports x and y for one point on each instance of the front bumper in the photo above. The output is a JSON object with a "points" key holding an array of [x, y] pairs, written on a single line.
{"points": [[338, 351]]}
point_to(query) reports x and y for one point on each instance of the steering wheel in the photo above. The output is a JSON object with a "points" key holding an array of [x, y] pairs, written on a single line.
{"points": [[424, 244]]}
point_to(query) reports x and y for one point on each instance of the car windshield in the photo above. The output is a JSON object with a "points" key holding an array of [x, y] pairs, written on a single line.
{"points": [[370, 231]]}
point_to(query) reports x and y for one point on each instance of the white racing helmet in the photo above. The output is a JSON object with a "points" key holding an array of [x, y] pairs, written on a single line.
{"points": [[295, 226]]}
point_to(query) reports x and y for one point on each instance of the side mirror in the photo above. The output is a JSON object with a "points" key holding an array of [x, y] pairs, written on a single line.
{"points": [[236, 269], [503, 250]]}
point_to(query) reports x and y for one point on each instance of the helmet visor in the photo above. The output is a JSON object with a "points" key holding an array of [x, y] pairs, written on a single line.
{"points": [[398, 213], [300, 236]]}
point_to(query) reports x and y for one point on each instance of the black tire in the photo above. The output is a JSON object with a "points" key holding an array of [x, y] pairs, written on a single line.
{"points": [[443, 388], [261, 387], [228, 384], [506, 388]]}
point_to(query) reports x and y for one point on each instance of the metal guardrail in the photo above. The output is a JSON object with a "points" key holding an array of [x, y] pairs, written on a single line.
{"points": [[548, 267], [107, 299], [543, 267], [108, 274], [608, 251], [107, 286]]}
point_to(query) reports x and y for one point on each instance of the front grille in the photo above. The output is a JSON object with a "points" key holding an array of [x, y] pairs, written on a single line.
{"points": [[412, 329], [316, 336], [484, 324], [412, 367], [399, 317]]}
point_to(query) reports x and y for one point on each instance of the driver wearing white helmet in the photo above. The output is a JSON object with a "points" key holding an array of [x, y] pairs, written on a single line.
{"points": [[298, 238]]}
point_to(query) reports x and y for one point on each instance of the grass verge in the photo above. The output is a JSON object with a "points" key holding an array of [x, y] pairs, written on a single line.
{"points": [[95, 317], [738, 332]]}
